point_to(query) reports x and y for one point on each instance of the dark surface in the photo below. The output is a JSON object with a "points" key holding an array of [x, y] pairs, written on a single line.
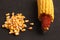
{"points": [[29, 9]]}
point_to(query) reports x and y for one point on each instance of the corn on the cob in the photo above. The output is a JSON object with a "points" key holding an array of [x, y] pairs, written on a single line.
{"points": [[45, 12]]}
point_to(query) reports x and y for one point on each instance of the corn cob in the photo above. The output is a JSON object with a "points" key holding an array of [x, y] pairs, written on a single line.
{"points": [[45, 13]]}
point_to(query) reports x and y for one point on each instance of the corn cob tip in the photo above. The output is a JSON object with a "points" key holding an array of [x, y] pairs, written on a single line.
{"points": [[45, 21]]}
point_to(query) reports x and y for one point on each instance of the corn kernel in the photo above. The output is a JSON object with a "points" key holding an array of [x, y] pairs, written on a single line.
{"points": [[26, 20], [30, 28], [12, 13], [31, 23], [11, 31], [3, 26], [16, 33], [7, 14], [23, 30]]}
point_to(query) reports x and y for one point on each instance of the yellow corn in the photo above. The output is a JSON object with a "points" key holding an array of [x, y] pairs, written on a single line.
{"points": [[47, 7]]}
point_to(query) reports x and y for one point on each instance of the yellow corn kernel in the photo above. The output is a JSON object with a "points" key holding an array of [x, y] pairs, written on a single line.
{"points": [[23, 30], [7, 14], [11, 31], [3, 26], [12, 13], [30, 28], [31, 23], [16, 33], [26, 20]]}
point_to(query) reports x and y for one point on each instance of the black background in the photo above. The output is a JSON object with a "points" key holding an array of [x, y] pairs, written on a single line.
{"points": [[29, 9]]}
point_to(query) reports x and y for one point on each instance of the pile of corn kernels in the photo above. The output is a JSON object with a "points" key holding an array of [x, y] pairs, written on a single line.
{"points": [[16, 23]]}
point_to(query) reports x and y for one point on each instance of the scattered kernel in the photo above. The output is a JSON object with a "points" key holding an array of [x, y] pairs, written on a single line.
{"points": [[11, 32], [23, 30], [7, 14], [12, 13], [17, 33], [3, 26], [26, 20], [31, 23], [25, 25], [30, 28]]}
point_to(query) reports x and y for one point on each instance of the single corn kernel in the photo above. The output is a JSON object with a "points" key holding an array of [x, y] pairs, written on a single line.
{"points": [[3, 26], [11, 31], [12, 13], [11, 27], [20, 28], [16, 33], [7, 17], [31, 23], [23, 30], [30, 28], [25, 25], [26, 20], [7, 14]]}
